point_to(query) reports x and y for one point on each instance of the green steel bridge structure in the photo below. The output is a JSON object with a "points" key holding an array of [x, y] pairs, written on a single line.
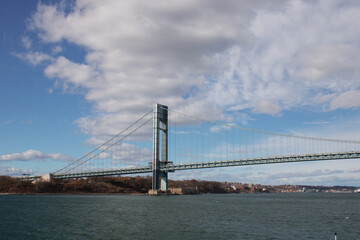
{"points": [[164, 141]]}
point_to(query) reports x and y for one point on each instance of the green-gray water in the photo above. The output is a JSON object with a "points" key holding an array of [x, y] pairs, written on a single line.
{"points": [[231, 216]]}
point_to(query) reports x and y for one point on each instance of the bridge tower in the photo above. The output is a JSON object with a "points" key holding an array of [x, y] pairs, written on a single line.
{"points": [[160, 147]]}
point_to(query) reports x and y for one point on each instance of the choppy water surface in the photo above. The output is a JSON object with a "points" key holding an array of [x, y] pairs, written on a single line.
{"points": [[232, 216]]}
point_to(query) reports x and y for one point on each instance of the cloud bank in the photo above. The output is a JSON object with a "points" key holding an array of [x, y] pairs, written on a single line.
{"points": [[201, 57], [14, 172], [328, 173], [34, 155]]}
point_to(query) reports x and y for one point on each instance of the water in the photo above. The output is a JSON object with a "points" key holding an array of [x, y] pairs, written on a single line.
{"points": [[224, 216]]}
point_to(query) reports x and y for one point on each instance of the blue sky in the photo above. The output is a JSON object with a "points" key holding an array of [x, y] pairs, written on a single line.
{"points": [[73, 73]]}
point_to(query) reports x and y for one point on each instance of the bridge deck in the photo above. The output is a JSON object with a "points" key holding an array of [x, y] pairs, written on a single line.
{"points": [[213, 164]]}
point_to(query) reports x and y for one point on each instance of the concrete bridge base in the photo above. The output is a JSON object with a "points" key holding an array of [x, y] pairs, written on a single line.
{"points": [[45, 178], [158, 192]]}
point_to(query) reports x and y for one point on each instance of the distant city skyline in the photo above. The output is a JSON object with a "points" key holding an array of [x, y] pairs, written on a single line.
{"points": [[76, 73]]}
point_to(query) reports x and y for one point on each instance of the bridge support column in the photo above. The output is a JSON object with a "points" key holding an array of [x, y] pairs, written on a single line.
{"points": [[164, 181], [160, 147]]}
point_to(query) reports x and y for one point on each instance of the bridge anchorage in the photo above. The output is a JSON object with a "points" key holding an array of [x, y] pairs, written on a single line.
{"points": [[174, 141]]}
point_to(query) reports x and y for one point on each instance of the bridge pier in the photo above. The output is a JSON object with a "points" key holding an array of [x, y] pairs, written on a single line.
{"points": [[163, 181], [160, 147]]}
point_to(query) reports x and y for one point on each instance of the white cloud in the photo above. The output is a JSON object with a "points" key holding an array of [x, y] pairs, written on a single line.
{"points": [[34, 58], [341, 128], [57, 49], [79, 75], [14, 172], [307, 173], [139, 54], [354, 171], [299, 51], [322, 173], [34, 155], [26, 41], [202, 57], [350, 99], [143, 155], [267, 107]]}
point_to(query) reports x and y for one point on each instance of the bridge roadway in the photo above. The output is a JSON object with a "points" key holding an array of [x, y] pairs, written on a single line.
{"points": [[230, 163]]}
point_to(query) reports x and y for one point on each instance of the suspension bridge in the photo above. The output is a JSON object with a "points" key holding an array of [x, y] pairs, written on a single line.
{"points": [[164, 141]]}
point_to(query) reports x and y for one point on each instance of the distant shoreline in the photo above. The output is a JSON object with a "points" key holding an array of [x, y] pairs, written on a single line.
{"points": [[141, 185], [145, 194], [79, 193]]}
